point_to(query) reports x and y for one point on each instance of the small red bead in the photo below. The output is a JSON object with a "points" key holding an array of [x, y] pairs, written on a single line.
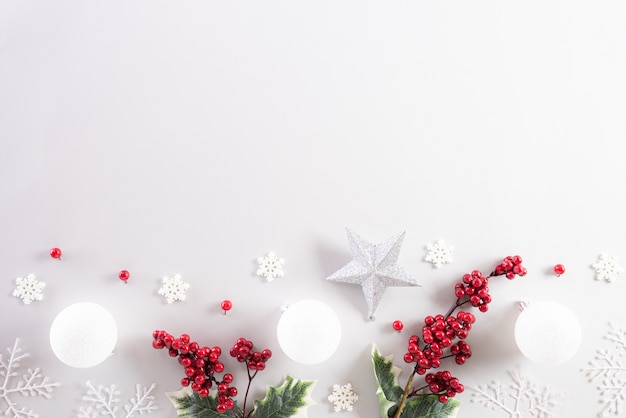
{"points": [[559, 269], [226, 306], [397, 325], [55, 253], [124, 275]]}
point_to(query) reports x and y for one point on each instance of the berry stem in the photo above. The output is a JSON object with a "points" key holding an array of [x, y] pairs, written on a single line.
{"points": [[245, 398], [405, 395]]}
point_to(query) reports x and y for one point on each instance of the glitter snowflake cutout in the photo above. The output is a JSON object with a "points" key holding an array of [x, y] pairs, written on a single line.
{"points": [[439, 253], [174, 288], [343, 397], [607, 268], [103, 399], [32, 384], [608, 368], [29, 289], [270, 266], [528, 399]]}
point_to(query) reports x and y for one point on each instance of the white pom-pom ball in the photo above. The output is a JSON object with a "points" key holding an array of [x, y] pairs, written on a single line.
{"points": [[83, 335], [309, 332], [547, 332]]}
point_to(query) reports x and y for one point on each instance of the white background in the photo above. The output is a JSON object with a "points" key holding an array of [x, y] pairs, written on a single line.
{"points": [[191, 137]]}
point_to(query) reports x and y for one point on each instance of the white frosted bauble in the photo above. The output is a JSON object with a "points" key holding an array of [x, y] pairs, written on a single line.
{"points": [[548, 332], [83, 335], [309, 332]]}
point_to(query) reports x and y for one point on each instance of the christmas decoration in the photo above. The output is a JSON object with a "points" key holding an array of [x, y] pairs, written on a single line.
{"points": [[309, 332], [29, 289], [124, 275], [226, 306], [559, 269], [343, 397], [83, 335], [608, 369], [397, 325], [437, 344], [374, 268], [174, 288], [270, 266], [439, 253], [522, 398], [202, 367], [547, 332], [32, 383], [56, 253], [103, 401], [607, 268]]}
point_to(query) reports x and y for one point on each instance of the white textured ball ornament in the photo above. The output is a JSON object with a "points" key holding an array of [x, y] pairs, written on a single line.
{"points": [[309, 332], [83, 335], [547, 332]]}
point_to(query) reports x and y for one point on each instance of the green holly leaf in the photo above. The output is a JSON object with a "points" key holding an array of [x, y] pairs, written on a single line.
{"points": [[430, 407], [289, 400], [389, 391], [189, 404]]}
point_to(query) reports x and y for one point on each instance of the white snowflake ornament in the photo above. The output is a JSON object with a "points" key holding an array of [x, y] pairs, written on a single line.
{"points": [[610, 372], [103, 399], [29, 289], [343, 397], [270, 266], [174, 288], [32, 384], [439, 253], [607, 268], [528, 399]]}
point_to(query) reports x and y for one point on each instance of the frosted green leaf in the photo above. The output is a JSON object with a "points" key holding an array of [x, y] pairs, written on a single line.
{"points": [[189, 404], [289, 400]]}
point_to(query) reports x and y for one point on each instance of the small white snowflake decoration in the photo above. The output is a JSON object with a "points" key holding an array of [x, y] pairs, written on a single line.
{"points": [[343, 397], [103, 399], [439, 253], [522, 398], [270, 266], [31, 384], [174, 288], [607, 268], [610, 371], [29, 289]]}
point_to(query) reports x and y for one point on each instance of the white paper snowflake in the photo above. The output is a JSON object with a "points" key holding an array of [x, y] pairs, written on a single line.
{"points": [[607, 268], [343, 397], [528, 399], [439, 253], [103, 401], [29, 289], [174, 288], [608, 368], [270, 266], [32, 384]]}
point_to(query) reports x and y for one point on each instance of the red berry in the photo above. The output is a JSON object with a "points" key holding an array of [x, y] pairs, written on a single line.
{"points": [[55, 253], [124, 275], [397, 325], [226, 306], [559, 269]]}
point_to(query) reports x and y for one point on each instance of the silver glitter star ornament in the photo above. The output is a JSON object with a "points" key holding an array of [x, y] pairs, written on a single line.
{"points": [[374, 268]]}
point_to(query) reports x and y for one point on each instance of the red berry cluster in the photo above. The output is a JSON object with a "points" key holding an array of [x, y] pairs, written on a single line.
{"points": [[474, 285], [511, 266], [243, 352], [444, 385], [200, 364], [440, 332]]}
